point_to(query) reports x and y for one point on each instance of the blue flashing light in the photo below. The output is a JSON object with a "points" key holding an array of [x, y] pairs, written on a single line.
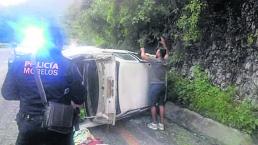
{"points": [[33, 39], [32, 35]]}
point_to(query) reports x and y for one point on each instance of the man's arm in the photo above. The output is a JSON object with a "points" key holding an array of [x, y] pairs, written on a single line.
{"points": [[163, 43], [9, 89], [167, 54], [143, 54]]}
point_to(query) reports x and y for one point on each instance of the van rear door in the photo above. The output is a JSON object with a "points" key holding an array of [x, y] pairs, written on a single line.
{"points": [[106, 111]]}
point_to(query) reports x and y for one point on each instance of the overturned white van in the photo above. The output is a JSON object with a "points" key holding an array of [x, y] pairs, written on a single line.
{"points": [[117, 83]]}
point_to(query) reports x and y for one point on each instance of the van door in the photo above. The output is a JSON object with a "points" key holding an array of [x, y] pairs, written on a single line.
{"points": [[106, 111]]}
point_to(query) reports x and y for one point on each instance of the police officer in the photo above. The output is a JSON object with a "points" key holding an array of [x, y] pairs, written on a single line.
{"points": [[61, 83]]}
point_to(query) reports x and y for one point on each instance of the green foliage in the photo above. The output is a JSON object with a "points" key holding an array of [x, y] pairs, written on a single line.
{"points": [[189, 19], [91, 26], [111, 23], [82, 113], [201, 96], [251, 39], [177, 57]]}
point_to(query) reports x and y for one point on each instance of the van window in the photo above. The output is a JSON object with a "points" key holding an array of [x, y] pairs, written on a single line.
{"points": [[125, 56]]}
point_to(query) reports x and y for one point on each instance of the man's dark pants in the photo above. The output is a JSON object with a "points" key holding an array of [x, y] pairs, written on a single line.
{"points": [[157, 94]]}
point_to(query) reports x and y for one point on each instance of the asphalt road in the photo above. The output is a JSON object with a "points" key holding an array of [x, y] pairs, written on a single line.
{"points": [[8, 109], [134, 131], [130, 131]]}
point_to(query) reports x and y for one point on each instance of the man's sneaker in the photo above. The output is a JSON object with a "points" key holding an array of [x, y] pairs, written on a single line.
{"points": [[161, 126], [153, 126]]}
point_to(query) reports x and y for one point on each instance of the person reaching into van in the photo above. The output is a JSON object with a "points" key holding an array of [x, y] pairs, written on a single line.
{"points": [[157, 83]]}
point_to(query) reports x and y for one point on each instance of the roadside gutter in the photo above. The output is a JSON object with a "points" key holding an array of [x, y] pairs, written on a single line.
{"points": [[205, 126]]}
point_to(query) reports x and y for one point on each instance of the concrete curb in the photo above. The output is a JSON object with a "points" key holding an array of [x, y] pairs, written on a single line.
{"points": [[206, 126]]}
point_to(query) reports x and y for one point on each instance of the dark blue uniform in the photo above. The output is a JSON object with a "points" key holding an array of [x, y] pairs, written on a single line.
{"points": [[62, 84]]}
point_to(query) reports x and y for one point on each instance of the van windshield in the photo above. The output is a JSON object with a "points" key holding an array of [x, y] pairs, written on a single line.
{"points": [[125, 56]]}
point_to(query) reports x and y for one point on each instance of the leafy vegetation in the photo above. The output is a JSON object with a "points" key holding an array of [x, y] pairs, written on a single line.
{"points": [[127, 24], [189, 19], [130, 24], [82, 113], [176, 57], [251, 38], [200, 95]]}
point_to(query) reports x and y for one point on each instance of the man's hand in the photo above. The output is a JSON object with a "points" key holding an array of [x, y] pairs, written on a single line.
{"points": [[162, 41], [142, 50]]}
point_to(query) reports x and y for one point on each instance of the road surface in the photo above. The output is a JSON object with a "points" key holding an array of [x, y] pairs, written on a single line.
{"points": [[8, 109], [134, 131]]}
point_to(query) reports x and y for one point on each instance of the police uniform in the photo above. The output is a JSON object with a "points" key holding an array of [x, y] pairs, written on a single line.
{"points": [[61, 83]]}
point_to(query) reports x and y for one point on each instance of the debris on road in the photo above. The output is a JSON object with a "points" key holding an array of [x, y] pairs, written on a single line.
{"points": [[84, 137]]}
